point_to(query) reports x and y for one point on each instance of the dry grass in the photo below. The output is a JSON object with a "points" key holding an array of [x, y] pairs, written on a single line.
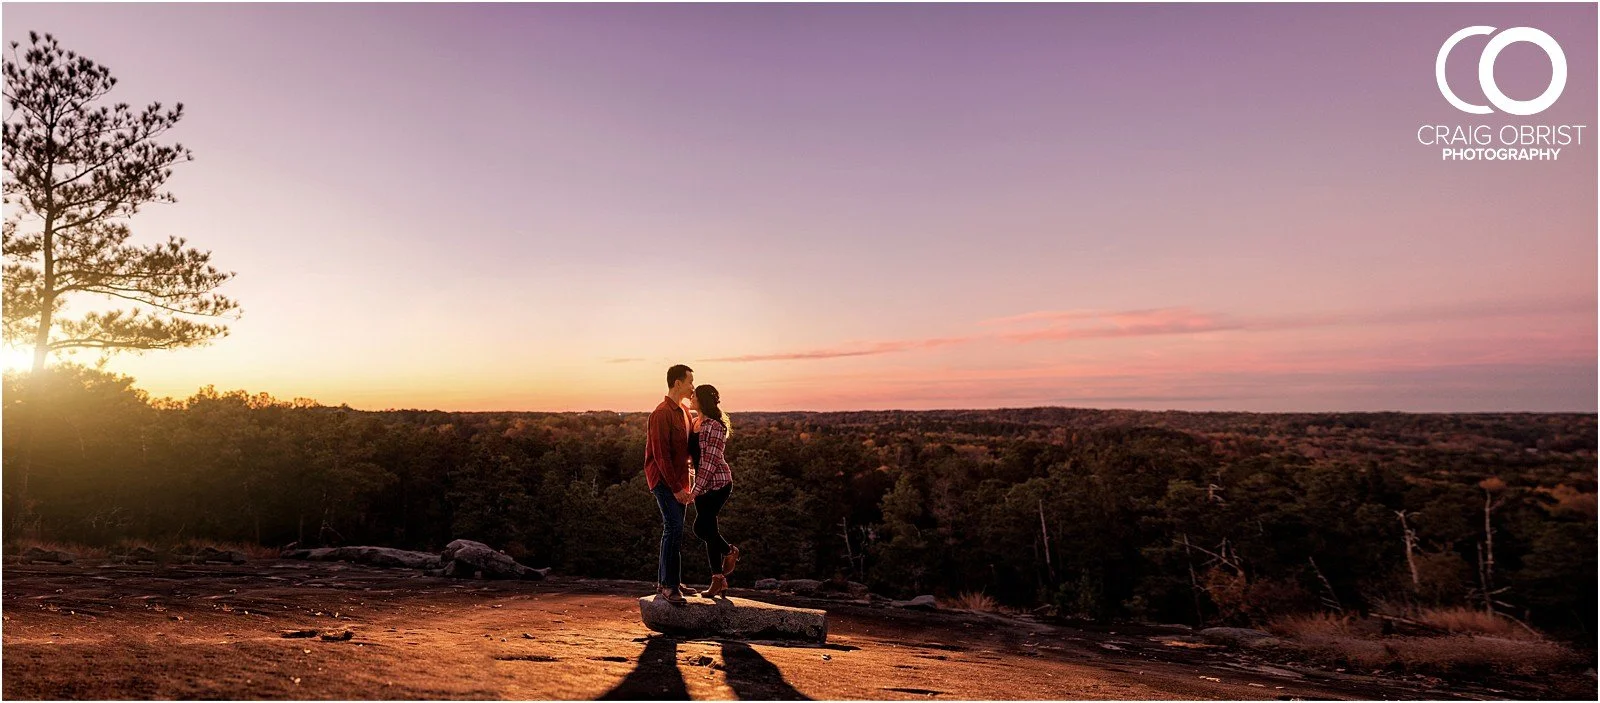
{"points": [[1311, 625], [980, 602], [253, 551], [1477, 643], [19, 545], [1444, 655], [1474, 622]]}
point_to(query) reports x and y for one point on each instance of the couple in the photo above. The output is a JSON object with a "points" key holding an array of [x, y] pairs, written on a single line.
{"points": [[683, 462]]}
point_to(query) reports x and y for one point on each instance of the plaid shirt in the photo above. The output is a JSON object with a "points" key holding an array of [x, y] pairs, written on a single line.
{"points": [[714, 471]]}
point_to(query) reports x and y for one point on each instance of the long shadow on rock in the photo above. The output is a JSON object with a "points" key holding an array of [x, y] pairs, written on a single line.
{"points": [[655, 678], [753, 678]]}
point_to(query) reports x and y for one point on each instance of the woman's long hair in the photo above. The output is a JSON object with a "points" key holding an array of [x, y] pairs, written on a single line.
{"points": [[707, 397]]}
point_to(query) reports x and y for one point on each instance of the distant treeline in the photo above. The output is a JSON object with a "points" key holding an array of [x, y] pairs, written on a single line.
{"points": [[1175, 517]]}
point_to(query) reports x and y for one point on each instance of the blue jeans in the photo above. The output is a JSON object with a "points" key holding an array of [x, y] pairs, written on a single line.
{"points": [[670, 571]]}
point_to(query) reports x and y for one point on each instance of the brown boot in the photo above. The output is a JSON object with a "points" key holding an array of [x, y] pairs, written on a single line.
{"points": [[730, 560], [719, 583], [669, 595]]}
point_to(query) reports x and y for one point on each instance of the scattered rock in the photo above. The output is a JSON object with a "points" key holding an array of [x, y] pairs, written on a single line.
{"points": [[299, 633], [767, 585], [210, 554], [525, 658], [527, 636], [137, 555], [338, 637], [1185, 642], [1238, 637], [918, 603], [733, 617], [800, 587], [386, 557], [465, 558], [52, 556], [1269, 670], [839, 586], [372, 556]]}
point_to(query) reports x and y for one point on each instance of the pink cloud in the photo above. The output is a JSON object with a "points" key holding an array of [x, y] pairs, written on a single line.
{"points": [[867, 349], [1136, 323], [1067, 325]]}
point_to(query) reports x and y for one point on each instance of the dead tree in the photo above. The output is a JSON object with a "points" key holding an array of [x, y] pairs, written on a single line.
{"points": [[1045, 531], [1330, 598], [1486, 553], [1410, 537]]}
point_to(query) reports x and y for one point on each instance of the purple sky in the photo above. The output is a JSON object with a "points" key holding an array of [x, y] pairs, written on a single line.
{"points": [[842, 207]]}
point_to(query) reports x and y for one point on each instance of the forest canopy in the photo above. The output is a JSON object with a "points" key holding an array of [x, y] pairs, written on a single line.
{"points": [[1164, 516]]}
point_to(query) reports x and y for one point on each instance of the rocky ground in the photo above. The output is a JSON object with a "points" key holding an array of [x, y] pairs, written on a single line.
{"points": [[99, 630]]}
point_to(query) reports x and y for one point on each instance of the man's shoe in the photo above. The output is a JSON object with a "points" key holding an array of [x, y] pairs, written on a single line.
{"points": [[730, 560], [669, 595], [719, 583], [688, 590]]}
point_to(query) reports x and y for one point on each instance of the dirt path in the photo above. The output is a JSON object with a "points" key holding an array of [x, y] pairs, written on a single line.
{"points": [[115, 631]]}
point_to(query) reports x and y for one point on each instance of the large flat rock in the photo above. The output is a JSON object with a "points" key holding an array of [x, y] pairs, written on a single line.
{"points": [[733, 618]]}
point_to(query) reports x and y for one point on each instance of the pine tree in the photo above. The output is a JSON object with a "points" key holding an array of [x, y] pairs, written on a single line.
{"points": [[74, 172]]}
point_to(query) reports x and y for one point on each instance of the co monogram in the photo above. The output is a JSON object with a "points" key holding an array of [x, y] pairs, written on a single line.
{"points": [[1491, 51]]}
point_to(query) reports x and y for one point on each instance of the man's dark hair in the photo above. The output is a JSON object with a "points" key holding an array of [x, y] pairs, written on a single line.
{"points": [[677, 373]]}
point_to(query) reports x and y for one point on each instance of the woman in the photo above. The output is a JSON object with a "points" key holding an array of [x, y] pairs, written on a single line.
{"points": [[713, 481]]}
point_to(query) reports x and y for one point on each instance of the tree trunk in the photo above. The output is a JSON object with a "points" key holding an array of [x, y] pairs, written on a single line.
{"points": [[1410, 538], [1043, 530], [47, 292], [850, 557], [1486, 556], [1194, 583], [1483, 582]]}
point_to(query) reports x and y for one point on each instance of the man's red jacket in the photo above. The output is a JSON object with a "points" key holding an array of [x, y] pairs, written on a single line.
{"points": [[666, 447]]}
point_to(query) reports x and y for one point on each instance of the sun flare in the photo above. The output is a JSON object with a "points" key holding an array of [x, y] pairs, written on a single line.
{"points": [[15, 358]]}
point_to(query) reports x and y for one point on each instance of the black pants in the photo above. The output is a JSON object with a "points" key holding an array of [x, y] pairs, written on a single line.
{"points": [[706, 508]]}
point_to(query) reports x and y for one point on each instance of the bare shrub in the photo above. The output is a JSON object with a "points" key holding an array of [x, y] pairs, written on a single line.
{"points": [[976, 601]]}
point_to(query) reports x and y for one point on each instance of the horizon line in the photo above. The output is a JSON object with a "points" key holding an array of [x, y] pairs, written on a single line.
{"points": [[1007, 408]]}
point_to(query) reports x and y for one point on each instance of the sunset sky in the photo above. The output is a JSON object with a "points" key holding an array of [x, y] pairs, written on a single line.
{"points": [[851, 207]]}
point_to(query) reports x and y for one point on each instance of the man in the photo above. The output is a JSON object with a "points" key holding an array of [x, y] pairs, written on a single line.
{"points": [[670, 474]]}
